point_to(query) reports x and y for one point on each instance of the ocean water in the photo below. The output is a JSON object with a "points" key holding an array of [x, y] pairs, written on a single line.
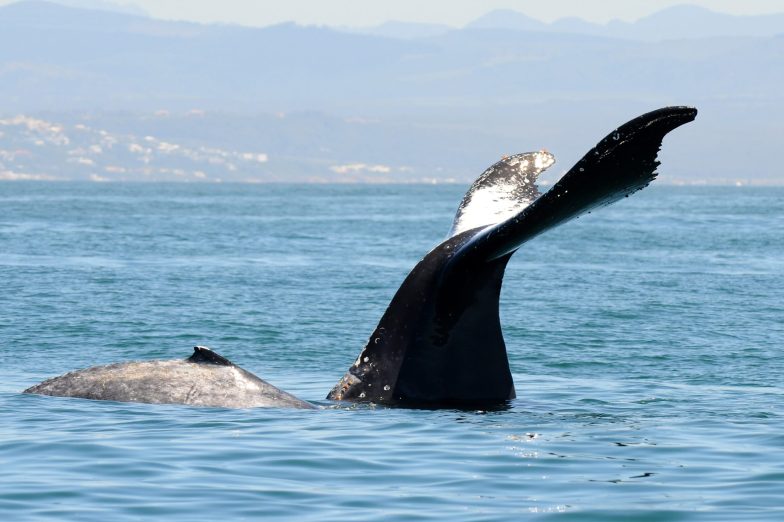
{"points": [[645, 341]]}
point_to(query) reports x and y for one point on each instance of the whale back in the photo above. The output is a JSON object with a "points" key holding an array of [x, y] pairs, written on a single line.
{"points": [[204, 379]]}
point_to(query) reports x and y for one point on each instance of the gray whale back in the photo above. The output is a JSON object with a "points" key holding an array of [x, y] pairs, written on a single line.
{"points": [[204, 379]]}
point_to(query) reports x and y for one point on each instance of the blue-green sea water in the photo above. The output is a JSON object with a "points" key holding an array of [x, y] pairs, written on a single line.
{"points": [[645, 341]]}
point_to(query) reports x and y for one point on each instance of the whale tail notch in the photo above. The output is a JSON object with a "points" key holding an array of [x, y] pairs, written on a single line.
{"points": [[440, 341]]}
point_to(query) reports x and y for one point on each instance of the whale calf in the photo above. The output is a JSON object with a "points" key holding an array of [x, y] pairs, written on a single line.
{"points": [[439, 343]]}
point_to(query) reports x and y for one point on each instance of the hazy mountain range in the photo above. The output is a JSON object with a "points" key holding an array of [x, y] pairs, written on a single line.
{"points": [[398, 102], [677, 22]]}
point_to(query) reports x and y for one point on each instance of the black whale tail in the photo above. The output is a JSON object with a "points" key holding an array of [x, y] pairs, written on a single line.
{"points": [[440, 340]]}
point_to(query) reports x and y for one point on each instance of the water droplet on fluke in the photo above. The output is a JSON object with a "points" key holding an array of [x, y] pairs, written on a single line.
{"points": [[386, 387]]}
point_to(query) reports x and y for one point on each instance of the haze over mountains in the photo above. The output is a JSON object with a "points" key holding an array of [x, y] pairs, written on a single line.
{"points": [[400, 102], [677, 22]]}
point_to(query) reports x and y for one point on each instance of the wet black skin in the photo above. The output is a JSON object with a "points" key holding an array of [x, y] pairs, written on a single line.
{"points": [[440, 323], [440, 342]]}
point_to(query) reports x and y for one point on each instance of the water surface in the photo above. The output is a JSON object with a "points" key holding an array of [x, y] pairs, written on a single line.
{"points": [[645, 342]]}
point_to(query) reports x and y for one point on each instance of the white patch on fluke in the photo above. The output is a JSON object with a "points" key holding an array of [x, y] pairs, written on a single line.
{"points": [[501, 191]]}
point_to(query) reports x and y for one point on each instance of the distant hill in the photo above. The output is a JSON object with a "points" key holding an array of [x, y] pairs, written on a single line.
{"points": [[672, 23], [438, 104], [198, 146], [102, 5], [54, 57], [401, 30], [508, 19]]}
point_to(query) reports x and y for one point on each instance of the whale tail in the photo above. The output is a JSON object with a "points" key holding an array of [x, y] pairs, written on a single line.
{"points": [[440, 340]]}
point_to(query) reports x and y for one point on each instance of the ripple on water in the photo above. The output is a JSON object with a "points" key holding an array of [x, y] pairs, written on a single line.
{"points": [[644, 341]]}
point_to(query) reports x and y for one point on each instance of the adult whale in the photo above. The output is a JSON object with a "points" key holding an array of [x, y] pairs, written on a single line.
{"points": [[439, 343]]}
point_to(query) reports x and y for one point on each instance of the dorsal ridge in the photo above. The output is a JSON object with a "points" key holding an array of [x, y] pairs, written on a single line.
{"points": [[203, 355]]}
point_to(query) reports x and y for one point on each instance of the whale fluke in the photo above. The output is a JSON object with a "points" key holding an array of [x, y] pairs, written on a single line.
{"points": [[204, 379], [439, 343]]}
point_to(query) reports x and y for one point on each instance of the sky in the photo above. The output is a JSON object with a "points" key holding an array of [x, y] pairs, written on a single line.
{"points": [[359, 13]]}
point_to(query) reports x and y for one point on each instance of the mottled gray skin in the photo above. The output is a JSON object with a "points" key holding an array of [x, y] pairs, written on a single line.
{"points": [[204, 379]]}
